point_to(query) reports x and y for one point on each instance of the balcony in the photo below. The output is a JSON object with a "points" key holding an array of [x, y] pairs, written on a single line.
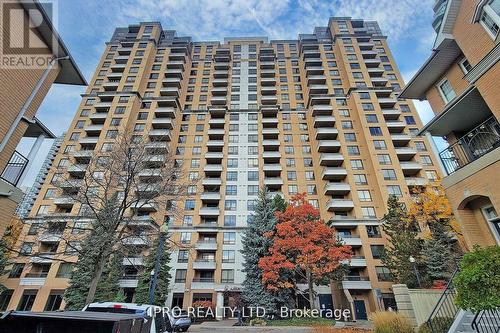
{"points": [[269, 99], [83, 156], [341, 205], [89, 140], [64, 202], [136, 241], [216, 134], [405, 153], [416, 181], [326, 133], [150, 174], [211, 182], [331, 159], [369, 54], [387, 103], [162, 123], [267, 65], [211, 169], [133, 261], [328, 146], [154, 161], [207, 211], [71, 185], [270, 122], [366, 46], [33, 279], [357, 261], [157, 147], [272, 144], [179, 64], [322, 110], [170, 91], [267, 73], [319, 99], [334, 174], [272, 168], [145, 206], [206, 245], [172, 82], [351, 240], [356, 282], [173, 73], [391, 114], [218, 100], [94, 130], [379, 81], [214, 157], [215, 144], [219, 82], [395, 126], [218, 74], [221, 65], [268, 81], [273, 181], [472, 146], [98, 117], [271, 156], [370, 63], [410, 168], [219, 91], [316, 79], [268, 90], [111, 85], [204, 264], [318, 89], [77, 170], [400, 140], [160, 135], [210, 196], [14, 169], [337, 189], [324, 121]]}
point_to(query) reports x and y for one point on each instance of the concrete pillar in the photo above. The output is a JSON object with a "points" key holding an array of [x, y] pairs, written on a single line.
{"points": [[31, 157], [219, 305], [403, 300]]}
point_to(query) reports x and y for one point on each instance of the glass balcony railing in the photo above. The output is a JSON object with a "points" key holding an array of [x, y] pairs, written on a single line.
{"points": [[470, 147]]}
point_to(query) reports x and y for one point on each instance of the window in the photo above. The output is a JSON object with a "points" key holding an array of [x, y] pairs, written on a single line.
{"points": [[364, 195], [350, 137], [410, 120], [394, 190], [229, 238], [232, 175], [383, 273], [230, 205], [180, 275], [377, 251], [292, 189], [371, 118], [357, 164], [291, 175], [360, 179], [185, 237], [232, 162], [54, 301], [368, 212], [230, 220], [379, 144], [420, 146], [27, 300], [373, 231], [16, 271], [426, 160], [375, 131], [227, 276], [384, 159], [189, 205], [26, 248], [431, 175], [183, 256], [252, 189], [352, 150], [490, 18], [5, 298], [231, 189], [228, 256], [389, 174], [253, 175], [446, 90]]}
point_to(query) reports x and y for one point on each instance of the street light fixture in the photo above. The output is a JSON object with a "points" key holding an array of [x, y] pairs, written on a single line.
{"points": [[414, 263]]}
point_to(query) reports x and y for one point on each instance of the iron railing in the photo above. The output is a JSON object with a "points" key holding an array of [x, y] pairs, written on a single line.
{"points": [[487, 321], [14, 168], [445, 311], [478, 142]]}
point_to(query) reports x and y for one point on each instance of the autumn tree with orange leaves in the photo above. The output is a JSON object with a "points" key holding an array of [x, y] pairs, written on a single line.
{"points": [[305, 245]]}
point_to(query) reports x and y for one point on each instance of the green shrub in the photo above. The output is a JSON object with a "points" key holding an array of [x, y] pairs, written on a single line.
{"points": [[391, 322], [478, 282], [440, 325], [258, 322]]}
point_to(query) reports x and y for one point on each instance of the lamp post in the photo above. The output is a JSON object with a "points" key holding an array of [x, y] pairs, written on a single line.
{"points": [[156, 269], [413, 261]]}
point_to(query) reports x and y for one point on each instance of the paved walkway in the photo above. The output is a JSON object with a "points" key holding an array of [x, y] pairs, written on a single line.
{"points": [[227, 326]]}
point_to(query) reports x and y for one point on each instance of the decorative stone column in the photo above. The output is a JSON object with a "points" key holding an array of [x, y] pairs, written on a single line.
{"points": [[403, 300], [219, 305]]}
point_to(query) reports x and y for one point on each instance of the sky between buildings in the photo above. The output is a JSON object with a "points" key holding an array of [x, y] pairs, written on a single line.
{"points": [[85, 26]]}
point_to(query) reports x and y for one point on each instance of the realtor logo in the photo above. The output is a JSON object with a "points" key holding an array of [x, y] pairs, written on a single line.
{"points": [[27, 39]]}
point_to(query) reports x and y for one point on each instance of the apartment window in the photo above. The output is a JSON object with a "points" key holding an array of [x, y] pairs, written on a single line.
{"points": [[360, 179], [431, 175], [16, 271], [228, 256], [227, 276], [231, 189], [230, 205], [195, 163], [364, 195], [27, 300], [426, 160], [375, 131], [394, 190], [379, 144], [350, 137], [357, 164], [410, 120], [383, 273], [191, 189], [389, 174], [446, 90], [352, 150], [420, 146], [187, 220], [384, 159], [252, 162], [232, 176], [185, 237], [183, 256], [377, 251], [189, 205], [309, 175], [292, 189], [490, 18], [346, 124], [193, 175], [229, 238], [64, 270], [26, 248], [371, 118], [230, 220], [253, 175], [232, 162], [368, 212], [54, 301], [311, 189], [291, 175], [367, 107], [253, 189], [373, 231], [180, 276]]}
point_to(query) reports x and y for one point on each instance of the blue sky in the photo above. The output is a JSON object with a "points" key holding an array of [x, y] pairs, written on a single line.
{"points": [[85, 25]]}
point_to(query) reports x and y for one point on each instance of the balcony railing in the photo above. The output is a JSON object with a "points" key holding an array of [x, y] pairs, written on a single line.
{"points": [[14, 168], [478, 142]]}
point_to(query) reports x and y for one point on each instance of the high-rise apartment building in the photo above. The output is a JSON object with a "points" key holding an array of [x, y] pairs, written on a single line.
{"points": [[24, 207], [319, 114], [460, 81], [22, 90]]}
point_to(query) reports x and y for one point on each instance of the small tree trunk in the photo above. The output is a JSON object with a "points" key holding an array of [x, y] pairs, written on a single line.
{"points": [[95, 279], [310, 288]]}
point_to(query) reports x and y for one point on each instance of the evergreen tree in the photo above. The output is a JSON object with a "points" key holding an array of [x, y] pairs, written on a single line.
{"points": [[108, 288], [163, 281], [256, 246], [436, 254], [279, 203], [403, 243], [4, 261]]}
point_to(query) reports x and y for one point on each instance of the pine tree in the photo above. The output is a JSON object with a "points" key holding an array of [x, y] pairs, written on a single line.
{"points": [[403, 243], [3, 263], [256, 246], [436, 254], [108, 288], [163, 281]]}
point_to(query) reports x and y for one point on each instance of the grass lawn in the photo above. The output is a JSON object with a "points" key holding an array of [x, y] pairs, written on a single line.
{"points": [[301, 322]]}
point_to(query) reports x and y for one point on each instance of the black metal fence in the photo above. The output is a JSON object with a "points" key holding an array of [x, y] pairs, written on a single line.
{"points": [[478, 142], [14, 168], [487, 321], [444, 312]]}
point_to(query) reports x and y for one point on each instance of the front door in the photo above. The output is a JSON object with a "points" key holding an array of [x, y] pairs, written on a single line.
{"points": [[360, 308], [325, 302]]}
